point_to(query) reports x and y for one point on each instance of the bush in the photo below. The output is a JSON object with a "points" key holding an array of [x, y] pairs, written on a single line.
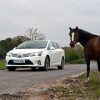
{"points": [[71, 54], [2, 65]]}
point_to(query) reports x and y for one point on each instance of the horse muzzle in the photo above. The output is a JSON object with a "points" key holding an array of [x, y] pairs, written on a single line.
{"points": [[72, 44]]}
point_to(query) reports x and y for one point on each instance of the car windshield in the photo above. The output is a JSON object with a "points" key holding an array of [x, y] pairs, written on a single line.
{"points": [[33, 45]]}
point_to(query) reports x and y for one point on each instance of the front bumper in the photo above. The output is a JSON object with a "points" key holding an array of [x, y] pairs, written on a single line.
{"points": [[35, 61]]}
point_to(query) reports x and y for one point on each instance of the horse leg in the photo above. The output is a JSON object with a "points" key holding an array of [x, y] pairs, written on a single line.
{"points": [[98, 62], [88, 69]]}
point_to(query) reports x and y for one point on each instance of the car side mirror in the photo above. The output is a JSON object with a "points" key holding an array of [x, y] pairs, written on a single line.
{"points": [[52, 48]]}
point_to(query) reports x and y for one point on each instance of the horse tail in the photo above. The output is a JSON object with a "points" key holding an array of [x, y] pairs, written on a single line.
{"points": [[98, 63], [99, 68]]}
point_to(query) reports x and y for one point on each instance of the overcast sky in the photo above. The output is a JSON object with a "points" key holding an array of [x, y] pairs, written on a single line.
{"points": [[51, 17]]}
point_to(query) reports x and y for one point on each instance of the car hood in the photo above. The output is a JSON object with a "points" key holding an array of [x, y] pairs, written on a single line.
{"points": [[26, 50]]}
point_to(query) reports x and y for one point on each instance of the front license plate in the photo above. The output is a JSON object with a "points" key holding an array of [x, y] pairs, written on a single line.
{"points": [[19, 61]]}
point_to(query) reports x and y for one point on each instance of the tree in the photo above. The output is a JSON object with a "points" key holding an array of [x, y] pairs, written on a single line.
{"points": [[19, 39], [34, 34], [9, 44], [2, 53]]}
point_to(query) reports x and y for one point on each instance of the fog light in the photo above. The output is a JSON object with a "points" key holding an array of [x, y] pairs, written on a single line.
{"points": [[39, 62]]}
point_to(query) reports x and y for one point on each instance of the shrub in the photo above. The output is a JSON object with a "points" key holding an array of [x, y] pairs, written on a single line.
{"points": [[74, 53], [71, 54]]}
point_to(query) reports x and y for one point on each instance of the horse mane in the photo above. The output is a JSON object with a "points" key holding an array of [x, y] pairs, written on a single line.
{"points": [[85, 36]]}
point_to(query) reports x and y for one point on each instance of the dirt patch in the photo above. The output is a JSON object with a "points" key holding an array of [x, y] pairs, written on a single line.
{"points": [[10, 97]]}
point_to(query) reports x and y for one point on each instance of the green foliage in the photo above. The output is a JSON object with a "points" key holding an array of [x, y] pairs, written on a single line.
{"points": [[80, 50], [73, 55], [93, 86], [79, 61], [2, 52], [9, 44], [2, 65]]}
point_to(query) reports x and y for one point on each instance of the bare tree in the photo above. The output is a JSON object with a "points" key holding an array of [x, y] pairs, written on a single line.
{"points": [[34, 34]]}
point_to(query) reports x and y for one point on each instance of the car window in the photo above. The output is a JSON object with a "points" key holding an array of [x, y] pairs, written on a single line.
{"points": [[33, 45], [56, 45], [50, 45]]}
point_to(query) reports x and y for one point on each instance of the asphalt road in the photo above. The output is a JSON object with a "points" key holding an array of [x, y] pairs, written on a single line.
{"points": [[22, 79]]}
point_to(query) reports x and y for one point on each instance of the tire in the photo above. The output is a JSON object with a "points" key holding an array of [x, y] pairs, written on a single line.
{"points": [[11, 68], [62, 64], [46, 64]]}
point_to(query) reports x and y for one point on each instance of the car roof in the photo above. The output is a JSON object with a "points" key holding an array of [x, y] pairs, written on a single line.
{"points": [[39, 40], [42, 40]]}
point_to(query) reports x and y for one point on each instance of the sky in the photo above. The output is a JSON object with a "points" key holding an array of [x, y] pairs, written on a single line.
{"points": [[51, 17]]}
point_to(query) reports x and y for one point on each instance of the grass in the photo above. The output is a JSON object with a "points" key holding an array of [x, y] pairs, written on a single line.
{"points": [[77, 88], [80, 61], [2, 65], [94, 84]]}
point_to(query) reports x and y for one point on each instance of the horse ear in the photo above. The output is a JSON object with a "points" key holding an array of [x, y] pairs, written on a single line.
{"points": [[76, 27], [70, 28]]}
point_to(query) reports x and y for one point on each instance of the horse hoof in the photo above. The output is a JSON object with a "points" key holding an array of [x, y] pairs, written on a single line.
{"points": [[87, 80]]}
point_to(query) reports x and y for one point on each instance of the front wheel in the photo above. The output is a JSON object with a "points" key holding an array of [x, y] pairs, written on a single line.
{"points": [[62, 64], [46, 64], [11, 68]]}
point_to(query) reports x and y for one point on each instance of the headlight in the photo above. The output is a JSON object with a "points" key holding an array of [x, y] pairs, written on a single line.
{"points": [[8, 54], [37, 53], [26, 55]]}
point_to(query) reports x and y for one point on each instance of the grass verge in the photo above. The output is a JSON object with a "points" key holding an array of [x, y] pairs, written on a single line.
{"points": [[2, 65], [80, 61], [76, 88]]}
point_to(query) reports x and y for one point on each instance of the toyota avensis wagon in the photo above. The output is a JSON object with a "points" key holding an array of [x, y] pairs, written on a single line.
{"points": [[35, 54]]}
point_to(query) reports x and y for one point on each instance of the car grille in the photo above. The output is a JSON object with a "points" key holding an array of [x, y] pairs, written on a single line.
{"points": [[27, 62], [20, 55]]}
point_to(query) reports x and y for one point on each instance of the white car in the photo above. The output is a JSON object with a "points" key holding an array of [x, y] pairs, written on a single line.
{"points": [[36, 54]]}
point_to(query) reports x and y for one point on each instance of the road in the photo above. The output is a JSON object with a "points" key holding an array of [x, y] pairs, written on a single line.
{"points": [[22, 79]]}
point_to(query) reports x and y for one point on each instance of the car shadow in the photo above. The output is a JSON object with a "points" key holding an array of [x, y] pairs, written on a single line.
{"points": [[36, 70]]}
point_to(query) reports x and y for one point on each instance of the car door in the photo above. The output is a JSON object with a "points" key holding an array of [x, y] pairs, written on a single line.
{"points": [[60, 52], [51, 53], [56, 52]]}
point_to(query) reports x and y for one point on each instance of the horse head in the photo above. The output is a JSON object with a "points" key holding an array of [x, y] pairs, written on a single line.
{"points": [[74, 36]]}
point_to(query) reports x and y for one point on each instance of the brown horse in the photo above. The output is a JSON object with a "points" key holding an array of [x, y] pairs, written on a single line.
{"points": [[91, 44]]}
